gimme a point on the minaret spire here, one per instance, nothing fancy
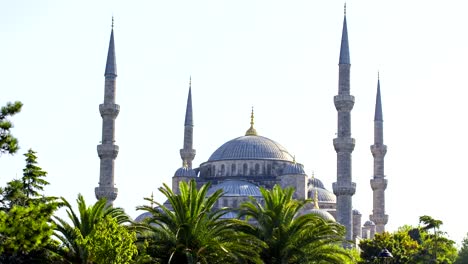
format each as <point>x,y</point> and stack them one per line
<point>109,110</point>
<point>187,153</point>
<point>344,188</point>
<point>344,50</point>
<point>378,183</point>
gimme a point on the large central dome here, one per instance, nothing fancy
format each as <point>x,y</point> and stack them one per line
<point>251,147</point>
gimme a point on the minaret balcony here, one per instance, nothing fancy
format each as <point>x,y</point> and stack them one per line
<point>340,188</point>
<point>379,219</point>
<point>188,153</point>
<point>378,184</point>
<point>109,110</point>
<point>110,193</point>
<point>378,150</point>
<point>107,151</point>
<point>344,102</point>
<point>344,144</point>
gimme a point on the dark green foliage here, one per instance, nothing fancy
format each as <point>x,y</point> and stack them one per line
<point>192,232</point>
<point>82,226</point>
<point>25,218</point>
<point>33,176</point>
<point>463,253</point>
<point>8,143</point>
<point>400,244</point>
<point>290,237</point>
<point>426,244</point>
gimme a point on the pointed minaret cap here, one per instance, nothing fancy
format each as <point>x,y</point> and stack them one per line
<point>378,102</point>
<point>111,66</point>
<point>344,51</point>
<point>188,111</point>
<point>251,131</point>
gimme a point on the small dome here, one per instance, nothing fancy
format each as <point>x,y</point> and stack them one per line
<point>369,223</point>
<point>185,172</point>
<point>142,217</point>
<point>323,214</point>
<point>251,147</point>
<point>315,183</point>
<point>236,188</point>
<point>323,195</point>
<point>356,212</point>
<point>294,168</point>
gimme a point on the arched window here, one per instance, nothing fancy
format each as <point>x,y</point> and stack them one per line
<point>257,169</point>
<point>213,170</point>
<point>222,170</point>
<point>233,169</point>
<point>246,169</point>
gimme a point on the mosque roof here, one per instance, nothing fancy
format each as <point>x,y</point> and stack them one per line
<point>185,172</point>
<point>251,147</point>
<point>323,194</point>
<point>315,182</point>
<point>236,188</point>
<point>322,213</point>
<point>294,168</point>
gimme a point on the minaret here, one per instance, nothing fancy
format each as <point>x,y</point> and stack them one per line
<point>344,188</point>
<point>187,154</point>
<point>378,183</point>
<point>109,110</point>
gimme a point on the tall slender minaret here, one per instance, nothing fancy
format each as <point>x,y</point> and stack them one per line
<point>378,183</point>
<point>344,188</point>
<point>109,110</point>
<point>187,154</point>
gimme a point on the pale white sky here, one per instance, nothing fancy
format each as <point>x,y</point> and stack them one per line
<point>279,56</point>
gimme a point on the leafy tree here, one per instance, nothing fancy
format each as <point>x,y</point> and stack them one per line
<point>8,143</point>
<point>436,247</point>
<point>83,225</point>
<point>463,253</point>
<point>33,176</point>
<point>110,242</point>
<point>25,218</point>
<point>291,238</point>
<point>400,244</point>
<point>191,231</point>
<point>412,245</point>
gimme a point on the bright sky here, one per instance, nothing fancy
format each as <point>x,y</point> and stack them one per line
<point>279,56</point>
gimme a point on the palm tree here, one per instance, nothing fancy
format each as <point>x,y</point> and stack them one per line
<point>191,231</point>
<point>83,225</point>
<point>290,237</point>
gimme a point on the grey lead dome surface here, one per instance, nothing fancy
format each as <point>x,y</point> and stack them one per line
<point>251,147</point>
<point>236,188</point>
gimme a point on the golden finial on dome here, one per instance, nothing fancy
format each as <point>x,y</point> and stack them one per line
<point>251,131</point>
<point>316,205</point>
<point>294,159</point>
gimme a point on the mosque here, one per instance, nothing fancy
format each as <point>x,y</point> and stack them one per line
<point>242,165</point>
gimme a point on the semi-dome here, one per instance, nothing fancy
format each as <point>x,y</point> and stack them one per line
<point>294,168</point>
<point>251,147</point>
<point>369,223</point>
<point>236,188</point>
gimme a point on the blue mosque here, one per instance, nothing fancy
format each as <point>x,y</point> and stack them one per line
<point>242,165</point>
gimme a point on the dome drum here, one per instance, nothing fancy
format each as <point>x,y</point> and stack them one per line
<point>243,168</point>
